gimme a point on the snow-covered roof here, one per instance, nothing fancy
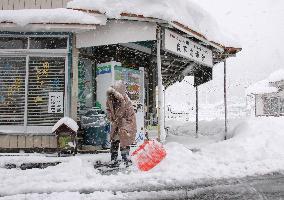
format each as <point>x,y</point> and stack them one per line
<point>264,86</point>
<point>58,16</point>
<point>276,76</point>
<point>68,122</point>
<point>261,87</point>
<point>186,12</point>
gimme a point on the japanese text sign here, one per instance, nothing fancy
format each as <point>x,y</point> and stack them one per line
<point>184,47</point>
<point>55,103</point>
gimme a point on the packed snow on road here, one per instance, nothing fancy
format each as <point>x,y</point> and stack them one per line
<point>255,147</point>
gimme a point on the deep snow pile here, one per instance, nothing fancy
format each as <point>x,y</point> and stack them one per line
<point>59,15</point>
<point>186,12</point>
<point>256,148</point>
<point>209,132</point>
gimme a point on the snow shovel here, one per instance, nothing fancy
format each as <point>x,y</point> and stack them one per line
<point>148,155</point>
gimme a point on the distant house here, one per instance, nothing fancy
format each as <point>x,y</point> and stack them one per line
<point>269,95</point>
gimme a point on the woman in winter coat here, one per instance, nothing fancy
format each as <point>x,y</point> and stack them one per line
<point>123,121</point>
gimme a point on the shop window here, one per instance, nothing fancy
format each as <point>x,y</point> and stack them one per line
<point>12,90</point>
<point>282,105</point>
<point>13,42</point>
<point>46,90</point>
<point>271,105</point>
<point>48,43</point>
<point>36,98</point>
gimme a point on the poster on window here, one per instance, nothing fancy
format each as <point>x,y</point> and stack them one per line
<point>132,80</point>
<point>55,102</point>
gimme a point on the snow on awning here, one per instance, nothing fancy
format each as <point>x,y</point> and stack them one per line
<point>186,12</point>
<point>50,16</point>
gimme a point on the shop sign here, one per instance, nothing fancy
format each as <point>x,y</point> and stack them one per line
<point>55,103</point>
<point>103,69</point>
<point>184,47</point>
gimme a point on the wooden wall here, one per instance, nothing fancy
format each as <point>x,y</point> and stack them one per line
<point>27,141</point>
<point>32,4</point>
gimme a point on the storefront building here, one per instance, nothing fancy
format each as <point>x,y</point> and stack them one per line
<point>59,68</point>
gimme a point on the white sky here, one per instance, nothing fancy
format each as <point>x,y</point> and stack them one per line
<point>258,25</point>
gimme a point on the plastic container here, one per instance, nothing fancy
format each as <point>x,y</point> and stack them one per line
<point>95,127</point>
<point>148,155</point>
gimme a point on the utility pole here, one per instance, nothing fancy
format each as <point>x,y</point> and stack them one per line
<point>196,111</point>
<point>225,99</point>
<point>160,86</point>
<point>164,108</point>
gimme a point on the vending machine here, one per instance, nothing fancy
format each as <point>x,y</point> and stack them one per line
<point>110,72</point>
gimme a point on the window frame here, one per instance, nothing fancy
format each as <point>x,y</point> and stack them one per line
<point>28,50</point>
<point>38,53</point>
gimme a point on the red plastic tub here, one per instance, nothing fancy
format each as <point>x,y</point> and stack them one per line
<point>148,155</point>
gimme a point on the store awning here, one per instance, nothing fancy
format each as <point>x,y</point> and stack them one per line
<point>182,14</point>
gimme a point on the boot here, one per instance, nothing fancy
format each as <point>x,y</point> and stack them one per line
<point>125,156</point>
<point>114,150</point>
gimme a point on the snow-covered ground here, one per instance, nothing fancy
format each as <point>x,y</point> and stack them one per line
<point>208,112</point>
<point>209,131</point>
<point>256,147</point>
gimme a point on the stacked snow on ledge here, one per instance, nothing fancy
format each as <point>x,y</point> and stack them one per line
<point>59,15</point>
<point>68,122</point>
<point>186,12</point>
<point>263,86</point>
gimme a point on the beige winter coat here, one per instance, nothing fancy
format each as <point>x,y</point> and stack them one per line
<point>121,115</point>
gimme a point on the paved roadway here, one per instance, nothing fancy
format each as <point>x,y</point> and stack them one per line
<point>256,188</point>
<point>266,187</point>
